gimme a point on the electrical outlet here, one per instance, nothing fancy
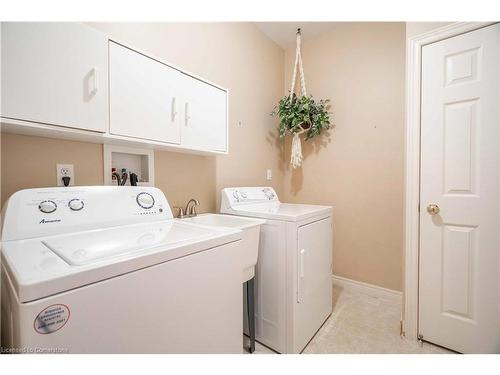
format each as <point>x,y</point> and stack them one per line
<point>65,170</point>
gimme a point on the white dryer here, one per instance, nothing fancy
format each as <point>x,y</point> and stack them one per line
<point>107,270</point>
<point>294,268</point>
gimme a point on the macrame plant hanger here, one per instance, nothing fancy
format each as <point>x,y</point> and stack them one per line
<point>296,156</point>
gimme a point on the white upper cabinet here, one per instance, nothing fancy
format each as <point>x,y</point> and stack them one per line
<point>68,80</point>
<point>204,115</point>
<point>144,96</point>
<point>153,101</point>
<point>55,73</point>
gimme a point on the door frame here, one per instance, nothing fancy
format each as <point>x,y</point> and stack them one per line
<point>412,178</point>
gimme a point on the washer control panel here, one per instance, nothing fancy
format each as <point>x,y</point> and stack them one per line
<point>39,212</point>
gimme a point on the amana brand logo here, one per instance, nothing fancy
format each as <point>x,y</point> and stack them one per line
<point>43,221</point>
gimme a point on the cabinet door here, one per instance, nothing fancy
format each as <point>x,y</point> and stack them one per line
<point>204,120</point>
<point>143,100</point>
<point>313,280</point>
<point>55,73</point>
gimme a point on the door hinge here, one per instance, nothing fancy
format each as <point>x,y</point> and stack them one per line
<point>420,339</point>
<point>401,328</point>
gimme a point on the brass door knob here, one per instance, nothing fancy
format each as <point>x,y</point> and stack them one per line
<point>433,209</point>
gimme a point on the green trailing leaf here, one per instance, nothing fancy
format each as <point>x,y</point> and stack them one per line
<point>305,112</point>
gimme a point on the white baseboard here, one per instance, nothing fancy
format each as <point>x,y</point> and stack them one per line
<point>368,289</point>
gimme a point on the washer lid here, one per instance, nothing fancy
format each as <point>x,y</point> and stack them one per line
<point>281,211</point>
<point>41,267</point>
<point>89,247</point>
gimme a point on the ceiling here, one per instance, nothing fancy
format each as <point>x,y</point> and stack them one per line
<point>283,33</point>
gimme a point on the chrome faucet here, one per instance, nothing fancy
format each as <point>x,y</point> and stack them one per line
<point>191,207</point>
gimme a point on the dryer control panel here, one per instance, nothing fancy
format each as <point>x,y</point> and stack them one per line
<point>237,196</point>
<point>47,211</point>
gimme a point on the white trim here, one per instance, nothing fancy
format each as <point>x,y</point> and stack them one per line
<point>413,63</point>
<point>368,289</point>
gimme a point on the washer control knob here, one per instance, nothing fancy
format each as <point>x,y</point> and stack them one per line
<point>236,195</point>
<point>145,200</point>
<point>75,204</point>
<point>47,207</point>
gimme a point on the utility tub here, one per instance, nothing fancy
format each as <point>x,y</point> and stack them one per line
<point>250,238</point>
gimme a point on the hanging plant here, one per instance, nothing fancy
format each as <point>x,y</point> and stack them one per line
<point>301,114</point>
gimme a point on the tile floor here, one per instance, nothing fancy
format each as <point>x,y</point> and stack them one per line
<point>361,324</point>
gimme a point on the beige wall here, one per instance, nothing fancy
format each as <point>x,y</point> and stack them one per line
<point>359,168</point>
<point>235,55</point>
<point>29,162</point>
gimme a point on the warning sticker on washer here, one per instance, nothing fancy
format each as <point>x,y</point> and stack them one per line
<point>51,319</point>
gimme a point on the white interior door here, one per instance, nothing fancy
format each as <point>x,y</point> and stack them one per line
<point>459,235</point>
<point>143,96</point>
<point>204,121</point>
<point>55,73</point>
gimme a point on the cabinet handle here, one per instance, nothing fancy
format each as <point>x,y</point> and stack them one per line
<point>174,108</point>
<point>94,82</point>
<point>186,114</point>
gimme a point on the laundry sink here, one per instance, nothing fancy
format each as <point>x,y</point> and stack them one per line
<point>250,237</point>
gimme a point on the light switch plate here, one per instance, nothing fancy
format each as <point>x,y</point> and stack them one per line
<point>65,170</point>
<point>269,174</point>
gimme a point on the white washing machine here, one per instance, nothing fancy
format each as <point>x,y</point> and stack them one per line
<point>294,268</point>
<point>107,270</point>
